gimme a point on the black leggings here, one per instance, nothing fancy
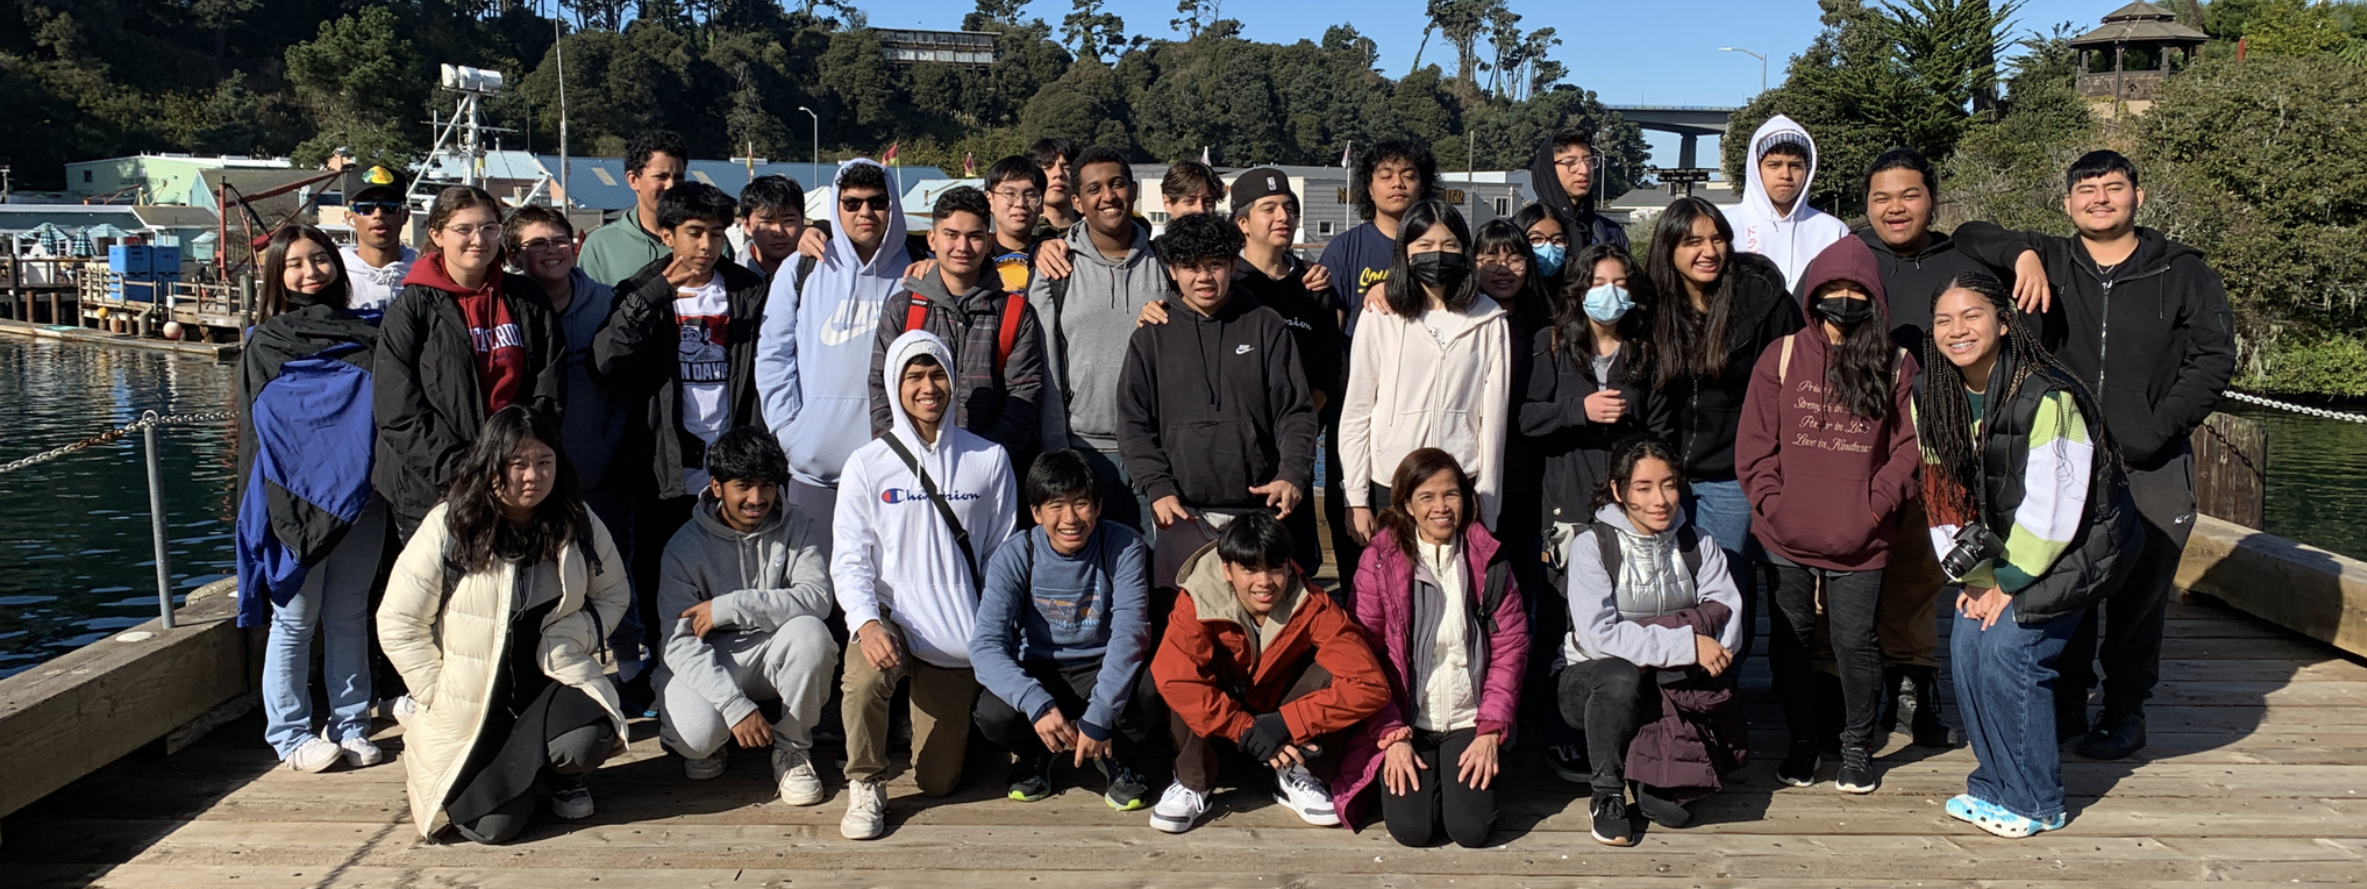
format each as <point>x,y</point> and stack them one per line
<point>573,754</point>
<point>1468,813</point>
<point>1851,599</point>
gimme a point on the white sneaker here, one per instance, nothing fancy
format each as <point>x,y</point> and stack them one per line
<point>1179,808</point>
<point>315,755</point>
<point>1306,796</point>
<point>793,771</point>
<point>709,768</point>
<point>401,709</point>
<point>867,811</point>
<point>360,753</point>
<point>572,803</point>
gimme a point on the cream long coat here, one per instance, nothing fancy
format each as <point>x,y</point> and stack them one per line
<point>448,655</point>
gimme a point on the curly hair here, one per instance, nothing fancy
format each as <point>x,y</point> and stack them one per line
<point>1198,238</point>
<point>1360,179</point>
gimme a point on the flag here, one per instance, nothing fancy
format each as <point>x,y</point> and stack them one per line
<point>891,155</point>
<point>969,165</point>
<point>1204,155</point>
<point>1344,153</point>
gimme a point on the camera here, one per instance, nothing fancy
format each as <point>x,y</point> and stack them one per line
<point>1972,546</point>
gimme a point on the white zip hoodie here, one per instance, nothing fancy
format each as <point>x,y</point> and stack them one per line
<point>892,554</point>
<point>1789,239</point>
<point>813,356</point>
<point>1408,390</point>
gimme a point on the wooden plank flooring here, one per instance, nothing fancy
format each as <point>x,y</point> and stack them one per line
<point>2257,773</point>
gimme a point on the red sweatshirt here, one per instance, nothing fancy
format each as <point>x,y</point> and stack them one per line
<point>1825,485</point>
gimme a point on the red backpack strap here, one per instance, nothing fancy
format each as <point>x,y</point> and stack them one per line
<point>916,312</point>
<point>1013,305</point>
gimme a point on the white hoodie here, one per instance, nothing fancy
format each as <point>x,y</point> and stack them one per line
<point>1407,390</point>
<point>813,358</point>
<point>892,553</point>
<point>1790,239</point>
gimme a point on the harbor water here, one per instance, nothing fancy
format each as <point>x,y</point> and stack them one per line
<point>75,546</point>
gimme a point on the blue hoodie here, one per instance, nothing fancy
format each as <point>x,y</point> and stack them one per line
<point>813,362</point>
<point>1041,605</point>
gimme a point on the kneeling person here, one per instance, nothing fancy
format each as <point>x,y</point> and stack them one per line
<point>748,590</point>
<point>1245,612</point>
<point>1064,627</point>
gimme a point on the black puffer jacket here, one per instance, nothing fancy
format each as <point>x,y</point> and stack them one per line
<point>424,385</point>
<point>637,355</point>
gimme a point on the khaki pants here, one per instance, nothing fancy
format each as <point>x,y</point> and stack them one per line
<point>941,701</point>
<point>1908,628</point>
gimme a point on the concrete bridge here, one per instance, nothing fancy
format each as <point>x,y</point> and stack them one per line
<point>1688,121</point>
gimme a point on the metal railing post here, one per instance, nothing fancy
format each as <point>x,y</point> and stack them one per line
<point>164,566</point>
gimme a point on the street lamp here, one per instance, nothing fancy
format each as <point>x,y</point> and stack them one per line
<point>817,137</point>
<point>1762,63</point>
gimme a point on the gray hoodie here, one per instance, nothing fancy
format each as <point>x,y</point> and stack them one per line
<point>757,580</point>
<point>1086,336</point>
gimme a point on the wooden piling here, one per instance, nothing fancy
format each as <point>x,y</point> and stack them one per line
<point>2231,470</point>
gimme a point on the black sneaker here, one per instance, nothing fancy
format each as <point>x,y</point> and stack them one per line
<point>1126,789</point>
<point>1611,827</point>
<point>1799,766</point>
<point>1031,778</point>
<point>1925,722</point>
<point>2115,737</point>
<point>1570,763</point>
<point>2070,723</point>
<point>1857,771</point>
<point>1660,808</point>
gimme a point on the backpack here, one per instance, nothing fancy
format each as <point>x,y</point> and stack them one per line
<point>1605,538</point>
<point>805,269</point>
<point>1491,596</point>
<point>916,314</point>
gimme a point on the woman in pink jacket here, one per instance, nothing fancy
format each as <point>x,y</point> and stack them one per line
<point>1436,597</point>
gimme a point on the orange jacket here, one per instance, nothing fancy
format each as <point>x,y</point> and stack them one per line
<point>1210,674</point>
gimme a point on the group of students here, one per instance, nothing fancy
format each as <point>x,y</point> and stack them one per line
<point>1053,477</point>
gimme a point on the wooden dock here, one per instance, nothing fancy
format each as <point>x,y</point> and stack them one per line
<point>2257,773</point>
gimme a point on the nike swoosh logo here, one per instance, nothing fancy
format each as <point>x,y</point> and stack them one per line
<point>1242,349</point>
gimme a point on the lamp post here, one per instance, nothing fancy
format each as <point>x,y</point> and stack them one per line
<point>817,136</point>
<point>1762,63</point>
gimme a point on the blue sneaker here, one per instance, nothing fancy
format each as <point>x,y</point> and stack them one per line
<point>1997,820</point>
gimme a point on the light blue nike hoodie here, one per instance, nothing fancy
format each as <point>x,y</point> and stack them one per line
<point>814,363</point>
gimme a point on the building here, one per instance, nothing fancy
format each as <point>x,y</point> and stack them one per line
<point>1326,209</point>
<point>968,49</point>
<point>1644,203</point>
<point>2122,63</point>
<point>155,178</point>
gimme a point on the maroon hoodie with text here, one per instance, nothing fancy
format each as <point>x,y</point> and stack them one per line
<point>1825,485</point>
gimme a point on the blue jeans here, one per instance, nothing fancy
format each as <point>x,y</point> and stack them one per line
<point>335,602</point>
<point>1720,510</point>
<point>2005,679</point>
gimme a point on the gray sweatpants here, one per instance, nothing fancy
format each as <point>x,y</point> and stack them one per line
<point>792,665</point>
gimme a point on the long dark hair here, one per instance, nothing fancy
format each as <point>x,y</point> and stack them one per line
<point>1946,413</point>
<point>480,534</point>
<point>1573,330</point>
<point>1415,469</point>
<point>274,296</point>
<point>1624,456</point>
<point>1687,342</point>
<point>1865,364</point>
<point>1405,296</point>
<point>1529,216</point>
<point>1531,302</point>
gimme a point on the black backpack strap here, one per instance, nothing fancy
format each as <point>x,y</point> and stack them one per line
<point>1607,541</point>
<point>1491,597</point>
<point>1689,546</point>
<point>805,269</point>
<point>961,535</point>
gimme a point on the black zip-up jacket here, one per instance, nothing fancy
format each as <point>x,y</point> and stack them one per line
<point>1707,413</point>
<point>637,355</point>
<point>1909,282</point>
<point>2151,338</point>
<point>1210,407</point>
<point>1005,407</point>
<point>1577,450</point>
<point>423,386</point>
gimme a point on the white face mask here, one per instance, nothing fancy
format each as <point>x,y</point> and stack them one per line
<point>1607,303</point>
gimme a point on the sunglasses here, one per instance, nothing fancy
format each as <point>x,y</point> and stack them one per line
<point>875,202</point>
<point>373,208</point>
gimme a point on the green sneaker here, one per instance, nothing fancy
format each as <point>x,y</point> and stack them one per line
<point>1031,778</point>
<point>1126,789</point>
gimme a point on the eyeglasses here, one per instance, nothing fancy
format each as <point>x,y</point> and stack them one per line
<point>1555,240</point>
<point>1591,162</point>
<point>373,208</point>
<point>487,231</point>
<point>1018,195</point>
<point>876,202</point>
<point>539,245</point>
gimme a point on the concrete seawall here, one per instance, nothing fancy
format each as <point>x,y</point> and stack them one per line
<point>2319,594</point>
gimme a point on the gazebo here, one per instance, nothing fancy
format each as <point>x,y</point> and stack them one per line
<point>2126,59</point>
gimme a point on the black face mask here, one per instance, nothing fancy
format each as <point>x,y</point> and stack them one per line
<point>1439,268</point>
<point>1844,313</point>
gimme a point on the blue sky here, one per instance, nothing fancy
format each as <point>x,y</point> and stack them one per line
<point>1628,52</point>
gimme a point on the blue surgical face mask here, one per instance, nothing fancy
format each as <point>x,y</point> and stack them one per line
<point>1608,303</point>
<point>1549,258</point>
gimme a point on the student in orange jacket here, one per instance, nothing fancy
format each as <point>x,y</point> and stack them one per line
<point>1253,659</point>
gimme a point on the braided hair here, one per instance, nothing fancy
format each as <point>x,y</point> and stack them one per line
<point>1947,427</point>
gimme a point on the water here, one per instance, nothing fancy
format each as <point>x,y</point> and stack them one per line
<point>76,555</point>
<point>75,552</point>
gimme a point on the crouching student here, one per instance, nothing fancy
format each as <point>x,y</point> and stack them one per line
<point>493,615</point>
<point>2031,514</point>
<point>1652,634</point>
<point>1255,661</point>
<point>926,506</point>
<point>1064,628</point>
<point>746,591</point>
<point>1436,598</point>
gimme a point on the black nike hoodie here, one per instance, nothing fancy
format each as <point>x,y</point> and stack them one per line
<point>1209,407</point>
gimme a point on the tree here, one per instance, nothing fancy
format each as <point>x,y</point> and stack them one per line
<point>1193,15</point>
<point>2009,170</point>
<point>363,86</point>
<point>1460,22</point>
<point>1092,33</point>
<point>1085,104</point>
<point>993,15</point>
